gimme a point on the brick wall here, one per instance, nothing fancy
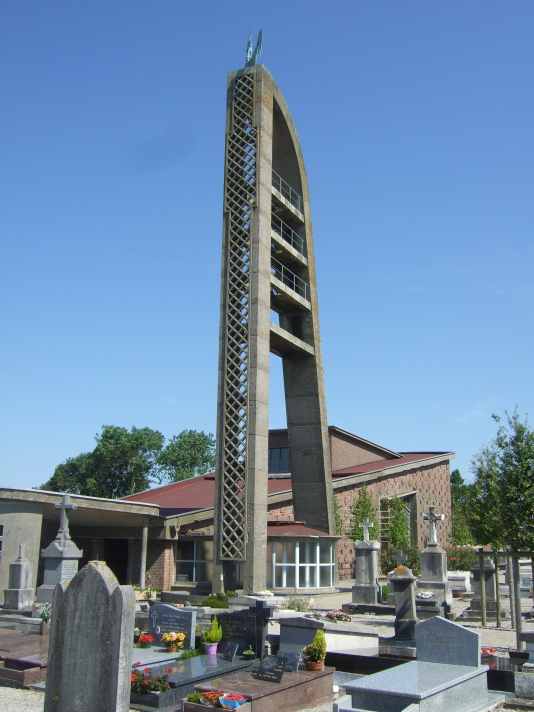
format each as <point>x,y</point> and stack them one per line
<point>160,565</point>
<point>432,487</point>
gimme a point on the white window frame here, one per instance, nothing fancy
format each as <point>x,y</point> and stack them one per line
<point>312,572</point>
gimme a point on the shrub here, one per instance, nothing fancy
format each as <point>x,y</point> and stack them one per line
<point>461,558</point>
<point>316,650</point>
<point>217,600</point>
<point>298,604</point>
<point>213,634</point>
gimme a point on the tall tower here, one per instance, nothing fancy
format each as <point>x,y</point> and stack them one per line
<point>268,304</point>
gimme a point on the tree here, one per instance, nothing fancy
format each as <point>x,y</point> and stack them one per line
<point>399,528</point>
<point>122,462</point>
<point>461,533</point>
<point>338,517</point>
<point>514,446</point>
<point>363,508</point>
<point>189,453</point>
<point>485,515</point>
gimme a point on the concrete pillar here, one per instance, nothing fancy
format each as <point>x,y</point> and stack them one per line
<point>144,548</point>
<point>365,589</point>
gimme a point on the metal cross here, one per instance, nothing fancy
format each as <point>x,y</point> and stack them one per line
<point>64,506</point>
<point>433,517</point>
<point>366,525</point>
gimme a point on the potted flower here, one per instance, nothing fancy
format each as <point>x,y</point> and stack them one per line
<point>249,653</point>
<point>173,641</point>
<point>212,636</point>
<point>145,640</point>
<point>315,652</point>
<point>152,691</point>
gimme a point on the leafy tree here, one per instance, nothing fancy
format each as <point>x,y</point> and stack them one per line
<point>461,533</point>
<point>122,462</point>
<point>189,453</point>
<point>363,508</point>
<point>485,511</point>
<point>338,517</point>
<point>514,448</point>
<point>399,528</point>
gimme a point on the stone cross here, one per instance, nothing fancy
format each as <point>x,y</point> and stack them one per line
<point>65,506</point>
<point>433,517</point>
<point>91,643</point>
<point>366,525</point>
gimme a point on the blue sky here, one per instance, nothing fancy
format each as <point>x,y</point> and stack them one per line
<point>416,124</point>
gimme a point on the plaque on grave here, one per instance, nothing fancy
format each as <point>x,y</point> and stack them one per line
<point>271,668</point>
<point>293,660</point>
<point>164,618</point>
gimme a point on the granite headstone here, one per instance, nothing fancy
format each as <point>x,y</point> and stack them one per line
<point>165,618</point>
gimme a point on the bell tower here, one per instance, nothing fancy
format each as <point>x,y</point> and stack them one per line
<point>268,305</point>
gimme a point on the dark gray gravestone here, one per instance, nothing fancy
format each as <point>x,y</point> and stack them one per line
<point>247,628</point>
<point>164,618</point>
<point>271,668</point>
<point>442,641</point>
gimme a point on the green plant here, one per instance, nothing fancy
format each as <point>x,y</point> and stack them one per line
<point>297,604</point>
<point>363,508</point>
<point>461,558</point>
<point>384,593</point>
<point>249,652</point>
<point>338,517</point>
<point>213,634</point>
<point>216,600</point>
<point>194,697</point>
<point>231,594</point>
<point>316,650</point>
<point>190,654</point>
<point>45,613</point>
<point>141,683</point>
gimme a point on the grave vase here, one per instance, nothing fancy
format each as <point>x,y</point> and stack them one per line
<point>211,648</point>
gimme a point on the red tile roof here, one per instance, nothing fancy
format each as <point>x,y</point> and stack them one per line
<point>199,492</point>
<point>376,465</point>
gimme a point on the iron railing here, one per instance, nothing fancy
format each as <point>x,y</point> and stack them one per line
<point>290,279</point>
<point>287,191</point>
<point>287,234</point>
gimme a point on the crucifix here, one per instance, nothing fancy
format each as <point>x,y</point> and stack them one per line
<point>433,517</point>
<point>366,525</point>
<point>64,506</point>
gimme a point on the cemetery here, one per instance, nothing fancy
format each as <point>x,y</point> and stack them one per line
<point>277,581</point>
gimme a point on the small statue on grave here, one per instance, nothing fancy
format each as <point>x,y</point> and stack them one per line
<point>433,517</point>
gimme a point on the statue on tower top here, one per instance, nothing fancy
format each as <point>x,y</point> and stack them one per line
<point>252,55</point>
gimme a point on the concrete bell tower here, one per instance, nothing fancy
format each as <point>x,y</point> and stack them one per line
<point>268,304</point>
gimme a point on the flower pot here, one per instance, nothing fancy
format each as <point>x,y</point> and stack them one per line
<point>210,648</point>
<point>144,645</point>
<point>315,665</point>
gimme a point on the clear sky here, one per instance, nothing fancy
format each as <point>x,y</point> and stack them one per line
<point>417,125</point>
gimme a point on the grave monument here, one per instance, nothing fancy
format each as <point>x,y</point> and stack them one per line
<point>268,266</point>
<point>447,675</point>
<point>91,634</point>
<point>365,590</point>
<point>61,556</point>
<point>432,586</point>
<point>402,644</point>
<point>19,594</point>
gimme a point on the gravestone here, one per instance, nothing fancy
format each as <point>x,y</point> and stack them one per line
<point>432,586</point>
<point>164,618</point>
<point>248,627</point>
<point>271,669</point>
<point>442,641</point>
<point>296,633</point>
<point>19,594</point>
<point>490,578</point>
<point>447,675</point>
<point>402,582</point>
<point>366,554</point>
<point>61,556</point>
<point>90,658</point>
